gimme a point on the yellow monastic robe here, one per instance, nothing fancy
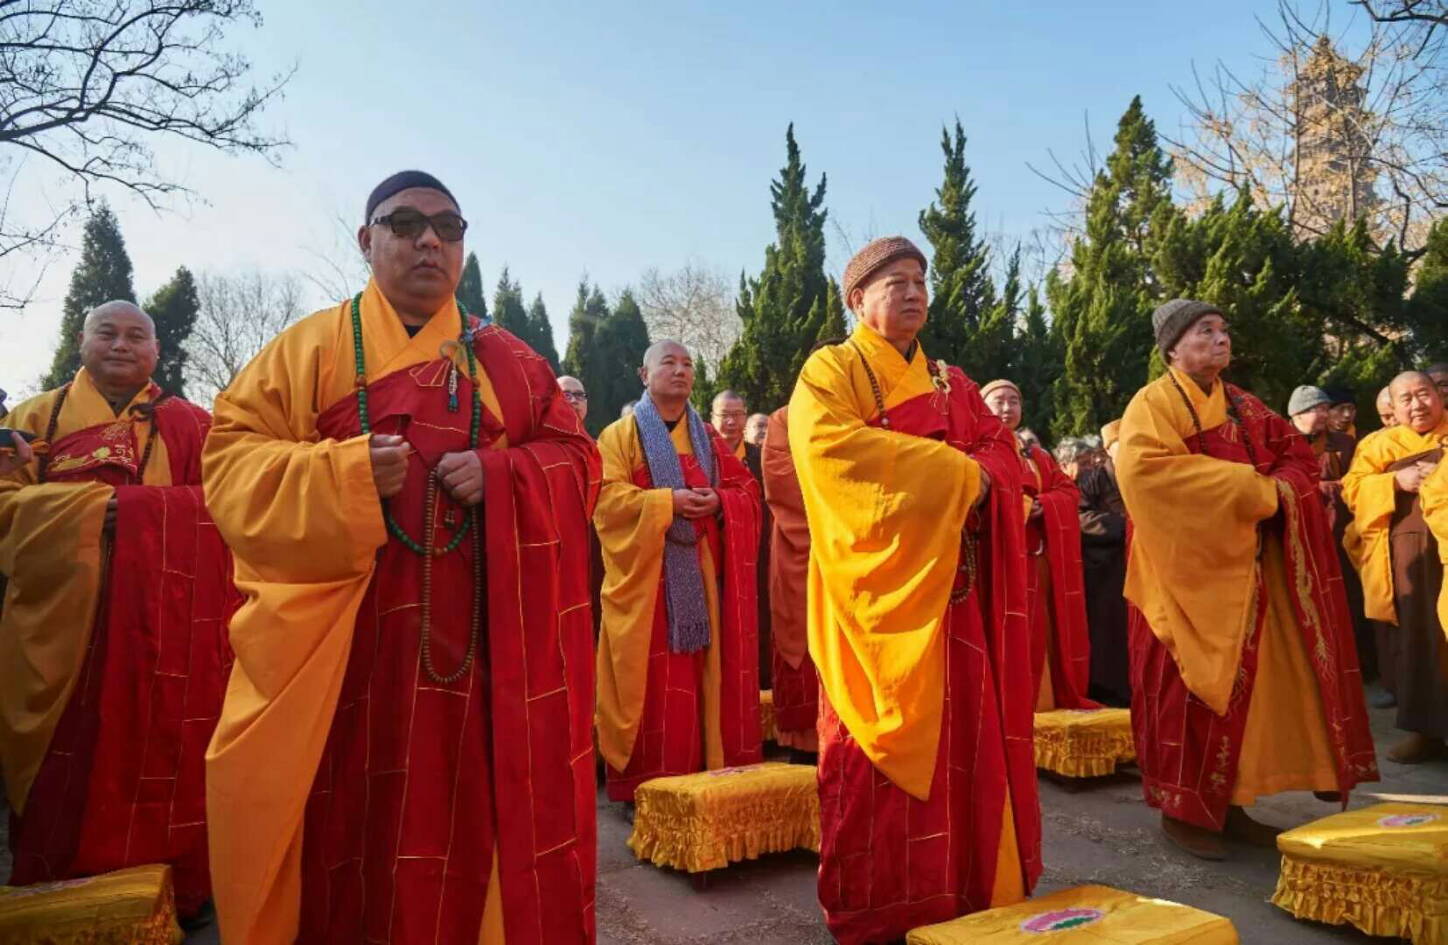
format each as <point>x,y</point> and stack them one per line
<point>1192,571</point>
<point>631,522</point>
<point>1433,496</point>
<point>1191,567</point>
<point>303,520</point>
<point>885,515</point>
<point>1368,490</point>
<point>51,546</point>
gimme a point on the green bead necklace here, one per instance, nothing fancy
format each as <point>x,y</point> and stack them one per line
<point>428,549</point>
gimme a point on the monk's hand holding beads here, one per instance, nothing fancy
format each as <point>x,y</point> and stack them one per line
<point>461,474</point>
<point>389,463</point>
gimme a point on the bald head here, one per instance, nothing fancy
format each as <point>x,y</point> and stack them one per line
<point>118,349</point>
<point>729,414</point>
<point>1384,406</point>
<point>1417,404</point>
<point>668,375</point>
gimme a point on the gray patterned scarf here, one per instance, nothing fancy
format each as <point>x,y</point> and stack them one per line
<point>683,579</point>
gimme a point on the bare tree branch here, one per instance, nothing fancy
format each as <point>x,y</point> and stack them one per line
<point>239,315</point>
<point>694,305</point>
<point>90,86</point>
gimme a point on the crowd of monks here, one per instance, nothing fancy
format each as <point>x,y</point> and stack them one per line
<point>343,652</point>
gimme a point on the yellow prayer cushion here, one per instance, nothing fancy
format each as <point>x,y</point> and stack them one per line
<point>1085,915</point>
<point>134,906</point>
<point>766,714</point>
<point>1084,743</point>
<point>704,821</point>
<point>1383,869</point>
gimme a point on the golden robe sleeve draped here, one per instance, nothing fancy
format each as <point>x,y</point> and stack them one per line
<point>886,511</point>
<point>1193,556</point>
<point>52,549</point>
<point>1369,492</point>
<point>631,522</point>
<point>1433,494</point>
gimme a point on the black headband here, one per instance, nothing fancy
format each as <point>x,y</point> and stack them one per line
<point>403,180</point>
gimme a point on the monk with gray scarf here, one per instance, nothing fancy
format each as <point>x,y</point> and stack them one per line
<point>678,517</point>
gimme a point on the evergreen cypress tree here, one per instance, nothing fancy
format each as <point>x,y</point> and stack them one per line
<point>104,275</point>
<point>620,344</point>
<point>584,359</point>
<point>1102,310</point>
<point>1037,364</point>
<point>174,308</point>
<point>834,327</point>
<point>1427,308</point>
<point>540,331</point>
<point>961,293</point>
<point>470,288</point>
<point>783,310</point>
<point>508,310</point>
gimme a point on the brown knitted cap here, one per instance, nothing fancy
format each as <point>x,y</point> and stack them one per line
<point>876,255</point>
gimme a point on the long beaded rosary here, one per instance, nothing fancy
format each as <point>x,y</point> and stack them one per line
<point>428,548</point>
<point>968,546</point>
<point>1232,414</point>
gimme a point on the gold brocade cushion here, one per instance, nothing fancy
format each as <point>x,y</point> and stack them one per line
<point>128,907</point>
<point>1085,915</point>
<point>1084,743</point>
<point>1383,869</point>
<point>766,714</point>
<point>704,821</point>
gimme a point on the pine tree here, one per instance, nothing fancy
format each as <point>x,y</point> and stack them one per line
<point>104,275</point>
<point>540,331</point>
<point>835,328</point>
<point>784,309</point>
<point>508,310</point>
<point>470,288</point>
<point>1102,310</point>
<point>590,310</point>
<point>961,293</point>
<point>174,308</point>
<point>620,344</point>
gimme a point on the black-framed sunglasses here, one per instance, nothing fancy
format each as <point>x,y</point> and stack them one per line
<point>408,223</point>
<point>575,395</point>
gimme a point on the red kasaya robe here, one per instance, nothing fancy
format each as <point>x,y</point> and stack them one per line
<point>675,733</point>
<point>120,783</point>
<point>355,797</point>
<point>1188,750</point>
<point>1060,640</point>
<point>795,684</point>
<point>934,815</point>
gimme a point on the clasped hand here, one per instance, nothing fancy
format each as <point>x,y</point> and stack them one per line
<point>695,503</point>
<point>1410,478</point>
<point>461,474</point>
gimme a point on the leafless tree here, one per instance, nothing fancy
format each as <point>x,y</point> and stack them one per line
<point>240,313</point>
<point>88,87</point>
<point>1430,13</point>
<point>1327,134</point>
<point>694,305</point>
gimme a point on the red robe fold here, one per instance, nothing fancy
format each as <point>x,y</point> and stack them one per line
<point>890,862</point>
<point>122,782</point>
<point>421,781</point>
<point>1187,753</point>
<point>1059,636</point>
<point>795,684</point>
<point>671,735</point>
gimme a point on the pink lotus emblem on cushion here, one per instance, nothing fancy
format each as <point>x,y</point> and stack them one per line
<point>1062,919</point>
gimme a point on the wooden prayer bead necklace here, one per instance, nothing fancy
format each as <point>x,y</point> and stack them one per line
<point>146,411</point>
<point>470,525</point>
<point>968,546</point>
<point>1232,414</point>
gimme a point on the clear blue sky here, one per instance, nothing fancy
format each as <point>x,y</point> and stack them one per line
<point>609,138</point>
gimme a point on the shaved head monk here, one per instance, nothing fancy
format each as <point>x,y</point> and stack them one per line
<point>1398,494</point>
<point>917,626</point>
<point>405,755</point>
<point>1384,406</point>
<point>1060,641</point>
<point>112,642</point>
<point>1245,678</point>
<point>678,518</point>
